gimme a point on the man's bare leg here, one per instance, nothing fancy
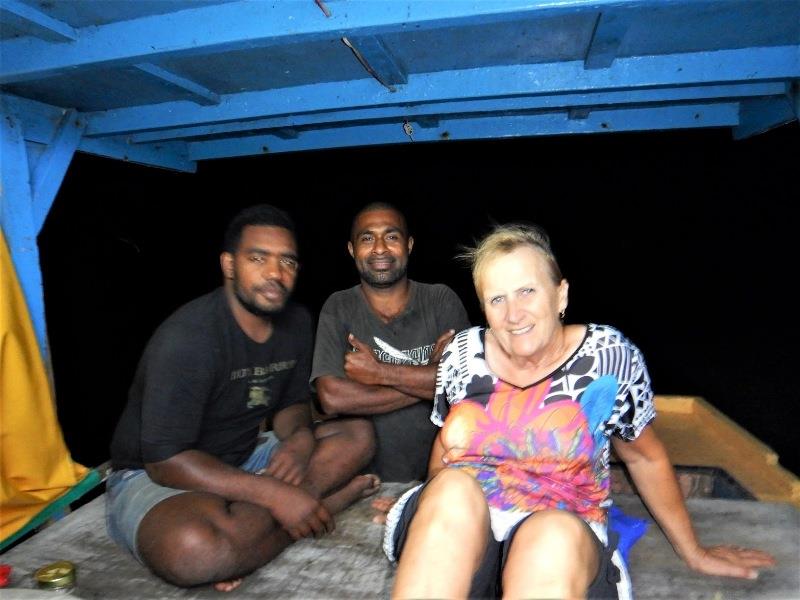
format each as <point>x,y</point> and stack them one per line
<point>361,486</point>
<point>197,538</point>
<point>336,453</point>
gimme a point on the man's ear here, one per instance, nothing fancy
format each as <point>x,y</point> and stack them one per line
<point>410,243</point>
<point>226,264</point>
<point>350,249</point>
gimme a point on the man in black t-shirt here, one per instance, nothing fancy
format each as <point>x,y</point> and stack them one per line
<point>379,342</point>
<point>197,494</point>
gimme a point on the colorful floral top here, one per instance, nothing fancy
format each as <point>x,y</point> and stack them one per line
<point>546,445</point>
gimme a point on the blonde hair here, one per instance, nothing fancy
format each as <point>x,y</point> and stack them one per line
<point>504,239</point>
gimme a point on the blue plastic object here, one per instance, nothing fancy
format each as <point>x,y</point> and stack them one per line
<point>630,530</point>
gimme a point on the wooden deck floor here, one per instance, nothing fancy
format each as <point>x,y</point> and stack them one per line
<point>350,564</point>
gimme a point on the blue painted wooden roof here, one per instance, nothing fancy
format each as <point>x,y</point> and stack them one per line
<point>171,82</point>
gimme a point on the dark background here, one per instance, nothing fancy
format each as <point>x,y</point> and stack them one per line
<point>684,240</point>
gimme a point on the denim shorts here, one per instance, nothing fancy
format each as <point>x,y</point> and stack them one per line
<point>131,494</point>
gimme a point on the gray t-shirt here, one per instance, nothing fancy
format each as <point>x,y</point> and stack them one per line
<point>405,436</point>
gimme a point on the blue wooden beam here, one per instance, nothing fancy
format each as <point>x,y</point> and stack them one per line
<point>598,121</point>
<point>40,119</point>
<point>167,155</point>
<point>52,165</point>
<point>625,74</point>
<point>423,111</point>
<point>376,58</point>
<point>17,220</point>
<point>35,152</point>
<point>578,113</point>
<point>35,23</point>
<point>758,115</point>
<point>427,122</point>
<point>40,127</point>
<point>244,25</point>
<point>286,133</point>
<point>202,95</point>
<point>608,33</point>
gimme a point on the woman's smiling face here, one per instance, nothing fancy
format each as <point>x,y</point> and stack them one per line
<point>521,302</point>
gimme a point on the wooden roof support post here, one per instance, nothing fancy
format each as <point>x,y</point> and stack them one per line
<point>28,187</point>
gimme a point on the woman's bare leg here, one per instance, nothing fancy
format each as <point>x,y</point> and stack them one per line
<point>553,555</point>
<point>446,539</point>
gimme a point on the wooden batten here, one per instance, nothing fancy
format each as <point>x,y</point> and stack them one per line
<point>697,434</point>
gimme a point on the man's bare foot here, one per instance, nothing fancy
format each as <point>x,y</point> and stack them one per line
<point>382,505</point>
<point>372,483</point>
<point>228,586</point>
<point>360,486</point>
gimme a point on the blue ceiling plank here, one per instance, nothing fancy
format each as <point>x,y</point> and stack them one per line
<point>721,67</point>
<point>34,22</point>
<point>16,218</point>
<point>421,112</point>
<point>246,25</point>
<point>758,115</point>
<point>376,58</point>
<point>52,165</point>
<point>599,121</point>
<point>606,39</point>
<point>202,95</point>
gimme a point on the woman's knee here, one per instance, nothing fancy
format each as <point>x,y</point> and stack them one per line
<point>556,539</point>
<point>451,520</point>
<point>456,495</point>
<point>556,530</point>
<point>553,553</point>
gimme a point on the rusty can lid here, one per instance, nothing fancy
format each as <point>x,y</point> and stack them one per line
<point>56,576</point>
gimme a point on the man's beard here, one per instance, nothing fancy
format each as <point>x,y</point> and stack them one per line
<point>382,279</point>
<point>260,311</point>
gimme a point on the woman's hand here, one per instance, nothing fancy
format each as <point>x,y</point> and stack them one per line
<point>730,561</point>
<point>654,477</point>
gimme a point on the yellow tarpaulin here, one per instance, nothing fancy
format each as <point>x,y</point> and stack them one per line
<point>36,465</point>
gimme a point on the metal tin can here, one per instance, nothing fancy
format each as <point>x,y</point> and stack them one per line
<point>59,575</point>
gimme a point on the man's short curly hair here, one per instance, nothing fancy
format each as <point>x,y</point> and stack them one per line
<point>265,215</point>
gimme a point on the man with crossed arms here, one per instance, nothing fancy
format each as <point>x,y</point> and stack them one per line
<point>378,344</point>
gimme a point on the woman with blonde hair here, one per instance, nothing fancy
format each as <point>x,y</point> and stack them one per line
<point>518,490</point>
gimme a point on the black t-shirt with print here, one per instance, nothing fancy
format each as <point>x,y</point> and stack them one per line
<point>203,384</point>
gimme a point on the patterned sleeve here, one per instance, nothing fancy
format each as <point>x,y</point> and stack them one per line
<point>635,396</point>
<point>447,370</point>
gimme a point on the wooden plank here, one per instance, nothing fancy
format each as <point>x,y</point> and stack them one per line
<point>697,434</point>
